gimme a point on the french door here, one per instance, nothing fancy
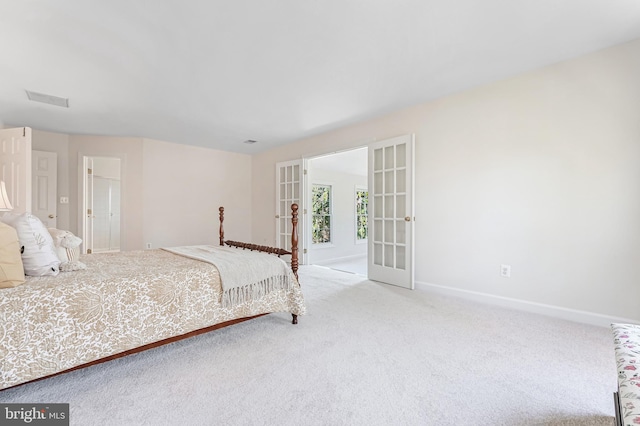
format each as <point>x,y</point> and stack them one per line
<point>289,180</point>
<point>391,214</point>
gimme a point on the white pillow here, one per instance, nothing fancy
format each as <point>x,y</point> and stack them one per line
<point>67,247</point>
<point>39,257</point>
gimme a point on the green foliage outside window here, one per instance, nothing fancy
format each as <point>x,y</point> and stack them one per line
<point>362,214</point>
<point>321,214</point>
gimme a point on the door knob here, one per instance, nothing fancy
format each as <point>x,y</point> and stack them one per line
<point>407,218</point>
<point>51,216</point>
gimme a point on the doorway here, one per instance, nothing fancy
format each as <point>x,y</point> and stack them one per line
<point>337,227</point>
<point>388,210</point>
<point>102,204</point>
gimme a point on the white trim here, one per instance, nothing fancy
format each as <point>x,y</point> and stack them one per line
<point>320,246</point>
<point>364,144</point>
<point>326,262</point>
<point>575,315</point>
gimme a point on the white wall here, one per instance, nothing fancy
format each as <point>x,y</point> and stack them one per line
<point>107,167</point>
<point>170,192</point>
<point>129,150</point>
<point>183,188</point>
<point>343,228</point>
<point>541,172</point>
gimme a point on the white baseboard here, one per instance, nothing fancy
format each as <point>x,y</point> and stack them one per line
<point>576,315</point>
<point>340,259</point>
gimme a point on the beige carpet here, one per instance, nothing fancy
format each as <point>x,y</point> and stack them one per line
<point>367,354</point>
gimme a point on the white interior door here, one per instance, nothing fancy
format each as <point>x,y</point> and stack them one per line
<point>15,166</point>
<point>45,187</point>
<point>288,191</point>
<point>391,215</point>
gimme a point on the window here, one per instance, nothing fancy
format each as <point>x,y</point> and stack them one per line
<point>321,213</point>
<point>362,214</point>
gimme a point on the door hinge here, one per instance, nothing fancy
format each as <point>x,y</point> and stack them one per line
<point>89,251</point>
<point>304,251</point>
<point>89,211</point>
<point>304,172</point>
<point>89,171</point>
<point>304,211</point>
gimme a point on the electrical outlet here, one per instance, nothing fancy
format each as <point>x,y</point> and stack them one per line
<point>505,271</point>
<point>148,245</point>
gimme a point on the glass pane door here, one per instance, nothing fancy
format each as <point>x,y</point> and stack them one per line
<point>288,187</point>
<point>391,208</point>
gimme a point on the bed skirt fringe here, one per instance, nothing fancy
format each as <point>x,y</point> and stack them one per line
<point>248,293</point>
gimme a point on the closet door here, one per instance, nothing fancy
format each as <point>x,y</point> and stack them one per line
<point>101,214</point>
<point>114,212</point>
<point>106,212</point>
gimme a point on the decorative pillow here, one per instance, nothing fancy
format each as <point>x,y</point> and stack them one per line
<point>67,247</point>
<point>11,269</point>
<point>38,257</point>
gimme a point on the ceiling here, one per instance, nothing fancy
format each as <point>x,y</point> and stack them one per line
<point>216,73</point>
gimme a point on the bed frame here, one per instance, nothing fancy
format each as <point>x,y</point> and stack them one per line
<point>270,250</point>
<point>266,249</point>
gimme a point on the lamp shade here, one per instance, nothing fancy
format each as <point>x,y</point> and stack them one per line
<point>5,204</point>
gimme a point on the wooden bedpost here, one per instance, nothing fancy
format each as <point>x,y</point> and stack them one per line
<point>221,231</point>
<point>294,247</point>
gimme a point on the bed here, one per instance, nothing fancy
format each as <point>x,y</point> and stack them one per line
<point>127,302</point>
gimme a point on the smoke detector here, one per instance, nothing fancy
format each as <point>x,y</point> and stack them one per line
<point>48,99</point>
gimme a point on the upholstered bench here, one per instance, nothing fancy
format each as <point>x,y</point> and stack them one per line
<point>627,348</point>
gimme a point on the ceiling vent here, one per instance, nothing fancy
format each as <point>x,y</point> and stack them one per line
<point>48,99</point>
<point>250,141</point>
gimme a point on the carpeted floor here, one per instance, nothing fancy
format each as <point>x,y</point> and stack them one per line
<point>366,354</point>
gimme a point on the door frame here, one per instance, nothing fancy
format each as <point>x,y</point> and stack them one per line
<point>307,196</point>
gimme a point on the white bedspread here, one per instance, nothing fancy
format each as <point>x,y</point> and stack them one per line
<point>246,275</point>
